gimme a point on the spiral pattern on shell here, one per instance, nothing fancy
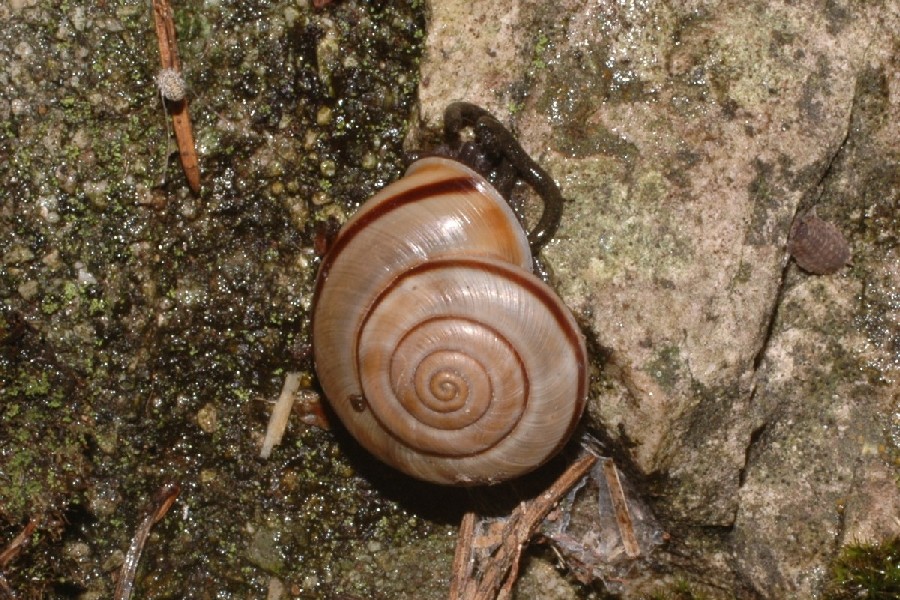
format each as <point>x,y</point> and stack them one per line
<point>471,368</point>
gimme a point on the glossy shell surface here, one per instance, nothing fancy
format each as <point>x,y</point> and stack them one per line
<point>438,349</point>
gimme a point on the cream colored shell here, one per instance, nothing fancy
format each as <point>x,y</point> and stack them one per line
<point>438,349</point>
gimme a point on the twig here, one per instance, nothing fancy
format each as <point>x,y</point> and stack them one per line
<point>280,413</point>
<point>623,517</point>
<point>181,120</point>
<point>162,502</point>
<point>500,573</point>
<point>6,592</point>
<point>15,546</point>
<point>11,552</point>
<point>462,559</point>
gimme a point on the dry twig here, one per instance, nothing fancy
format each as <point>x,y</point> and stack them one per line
<point>496,577</point>
<point>162,502</point>
<point>11,551</point>
<point>462,560</point>
<point>6,592</point>
<point>620,505</point>
<point>280,414</point>
<point>15,546</point>
<point>181,120</point>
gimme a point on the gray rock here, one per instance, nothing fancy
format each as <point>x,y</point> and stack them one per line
<point>756,397</point>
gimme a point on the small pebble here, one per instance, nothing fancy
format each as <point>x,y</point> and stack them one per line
<point>207,418</point>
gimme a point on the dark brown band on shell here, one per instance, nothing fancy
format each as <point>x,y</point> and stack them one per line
<point>454,185</point>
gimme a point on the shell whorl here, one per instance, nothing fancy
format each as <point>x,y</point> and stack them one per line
<point>476,379</point>
<point>471,368</point>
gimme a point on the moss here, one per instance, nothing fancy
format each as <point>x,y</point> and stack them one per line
<point>679,590</point>
<point>41,455</point>
<point>541,44</point>
<point>744,273</point>
<point>666,366</point>
<point>866,571</point>
<point>200,303</point>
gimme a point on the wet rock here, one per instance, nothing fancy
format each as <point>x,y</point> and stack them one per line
<point>687,139</point>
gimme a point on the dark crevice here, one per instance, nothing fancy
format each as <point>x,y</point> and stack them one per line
<point>776,306</point>
<point>755,436</point>
<point>830,165</point>
<point>773,317</point>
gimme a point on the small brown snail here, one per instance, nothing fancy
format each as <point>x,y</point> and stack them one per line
<point>435,344</point>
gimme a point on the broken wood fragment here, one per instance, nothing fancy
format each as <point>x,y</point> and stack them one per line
<point>160,504</point>
<point>181,120</point>
<point>281,412</point>
<point>623,517</point>
<point>15,546</point>
<point>493,573</point>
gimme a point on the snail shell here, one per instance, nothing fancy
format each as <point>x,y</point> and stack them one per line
<point>818,246</point>
<point>436,346</point>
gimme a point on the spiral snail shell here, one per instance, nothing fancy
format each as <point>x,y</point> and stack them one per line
<point>434,343</point>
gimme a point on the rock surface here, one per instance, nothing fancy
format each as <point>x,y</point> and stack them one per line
<point>143,330</point>
<point>760,401</point>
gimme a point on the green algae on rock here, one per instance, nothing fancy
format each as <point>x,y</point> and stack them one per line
<point>141,324</point>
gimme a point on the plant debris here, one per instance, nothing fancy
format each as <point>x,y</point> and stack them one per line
<point>488,550</point>
<point>162,502</point>
<point>171,84</point>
